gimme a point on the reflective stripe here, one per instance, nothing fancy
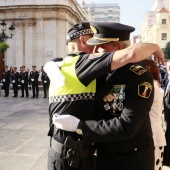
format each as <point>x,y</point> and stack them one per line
<point>72,97</point>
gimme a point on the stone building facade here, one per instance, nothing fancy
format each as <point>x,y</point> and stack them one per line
<point>40,29</point>
<point>156,24</point>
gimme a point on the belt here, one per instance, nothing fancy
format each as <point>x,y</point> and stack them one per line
<point>58,147</point>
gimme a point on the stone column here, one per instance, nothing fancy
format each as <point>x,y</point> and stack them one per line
<point>29,45</point>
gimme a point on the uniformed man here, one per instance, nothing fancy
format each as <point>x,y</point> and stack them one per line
<point>6,80</point>
<point>24,81</point>
<point>77,96</point>
<point>14,79</point>
<point>122,134</point>
<point>34,74</point>
<point>46,82</point>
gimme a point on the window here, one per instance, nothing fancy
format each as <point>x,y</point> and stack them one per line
<point>163,21</point>
<point>110,17</point>
<point>164,36</point>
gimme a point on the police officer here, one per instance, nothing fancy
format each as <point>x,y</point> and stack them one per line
<point>123,133</point>
<point>77,96</point>
<point>34,74</point>
<point>46,82</point>
<point>14,79</point>
<point>6,80</point>
<point>24,81</point>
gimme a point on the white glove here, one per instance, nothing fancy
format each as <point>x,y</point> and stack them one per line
<point>3,80</point>
<point>22,81</point>
<point>66,122</point>
<point>53,71</point>
<point>45,81</point>
<point>13,81</point>
<point>32,79</point>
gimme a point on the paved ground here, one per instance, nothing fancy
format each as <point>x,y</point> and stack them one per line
<point>23,133</point>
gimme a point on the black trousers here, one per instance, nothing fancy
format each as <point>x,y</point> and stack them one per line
<point>35,90</point>
<point>6,88</point>
<point>24,86</point>
<point>56,162</point>
<point>45,88</point>
<point>15,89</point>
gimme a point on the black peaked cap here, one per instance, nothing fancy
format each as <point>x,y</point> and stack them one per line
<point>105,32</point>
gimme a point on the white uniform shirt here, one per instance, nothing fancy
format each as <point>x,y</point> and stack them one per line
<point>156,117</point>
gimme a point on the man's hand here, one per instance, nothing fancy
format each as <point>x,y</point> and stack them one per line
<point>53,71</point>
<point>66,122</point>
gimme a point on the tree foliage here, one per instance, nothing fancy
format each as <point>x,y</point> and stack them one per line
<point>3,46</point>
<point>167,51</point>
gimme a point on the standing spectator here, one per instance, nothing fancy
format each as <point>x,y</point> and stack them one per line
<point>166,158</point>
<point>29,81</point>
<point>6,80</point>
<point>14,79</point>
<point>24,81</point>
<point>11,71</point>
<point>156,114</point>
<point>45,81</point>
<point>34,81</point>
<point>163,75</point>
<point>40,80</point>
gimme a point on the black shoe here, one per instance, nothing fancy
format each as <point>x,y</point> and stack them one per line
<point>45,97</point>
<point>5,96</point>
<point>26,96</point>
<point>22,96</point>
<point>37,97</point>
<point>33,97</point>
<point>14,96</point>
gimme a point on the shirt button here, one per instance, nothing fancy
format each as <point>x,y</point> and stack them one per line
<point>136,149</point>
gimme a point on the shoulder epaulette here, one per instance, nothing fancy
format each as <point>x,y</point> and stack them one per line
<point>137,69</point>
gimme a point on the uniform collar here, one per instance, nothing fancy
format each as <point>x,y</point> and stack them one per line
<point>76,54</point>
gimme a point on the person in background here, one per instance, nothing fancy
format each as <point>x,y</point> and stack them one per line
<point>14,79</point>
<point>122,134</point>
<point>6,80</point>
<point>46,82</point>
<point>156,114</point>
<point>11,69</point>
<point>163,75</point>
<point>166,157</point>
<point>29,81</point>
<point>34,75</point>
<point>24,81</point>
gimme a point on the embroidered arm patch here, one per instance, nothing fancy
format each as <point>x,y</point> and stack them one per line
<point>144,89</point>
<point>137,69</point>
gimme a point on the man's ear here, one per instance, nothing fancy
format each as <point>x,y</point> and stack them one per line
<point>82,41</point>
<point>120,46</point>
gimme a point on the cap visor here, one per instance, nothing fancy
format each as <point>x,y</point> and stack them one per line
<point>93,42</point>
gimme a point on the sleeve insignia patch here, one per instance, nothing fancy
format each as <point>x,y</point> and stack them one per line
<point>137,69</point>
<point>144,90</point>
<point>95,55</point>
